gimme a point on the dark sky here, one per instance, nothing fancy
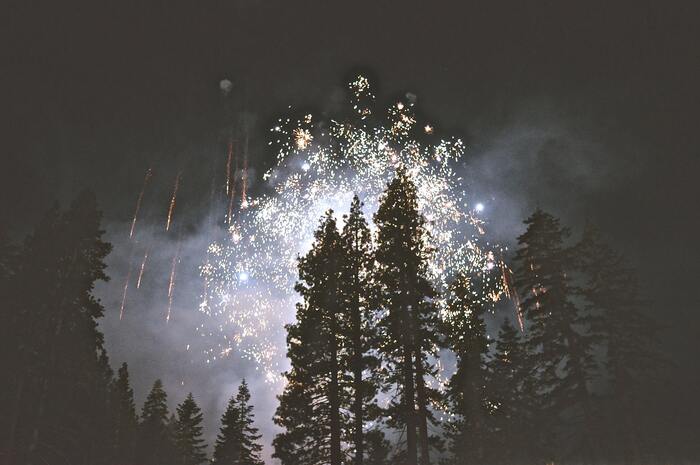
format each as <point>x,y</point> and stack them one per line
<point>97,91</point>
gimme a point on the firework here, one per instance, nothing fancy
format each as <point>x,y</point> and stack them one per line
<point>249,276</point>
<point>244,176</point>
<point>229,152</point>
<point>143,267</point>
<point>172,202</point>
<point>126,287</point>
<point>171,283</point>
<point>138,202</point>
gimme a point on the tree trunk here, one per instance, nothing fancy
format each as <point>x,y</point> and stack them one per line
<point>409,406</point>
<point>357,381</point>
<point>334,399</point>
<point>422,402</point>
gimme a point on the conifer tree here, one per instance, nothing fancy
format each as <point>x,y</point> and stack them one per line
<point>310,406</point>
<point>125,421</point>
<point>510,390</point>
<point>559,340</point>
<point>57,372</point>
<point>238,439</point>
<point>402,255</point>
<point>188,433</point>
<point>155,440</point>
<point>358,319</point>
<point>629,336</point>
<point>466,337</point>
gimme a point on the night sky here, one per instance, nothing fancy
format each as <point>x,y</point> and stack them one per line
<point>589,111</point>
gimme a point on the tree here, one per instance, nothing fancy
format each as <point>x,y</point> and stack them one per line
<point>237,442</point>
<point>125,420</point>
<point>188,433</point>
<point>559,340</point>
<point>314,346</point>
<point>512,435</point>
<point>57,368</point>
<point>466,337</point>
<point>630,340</point>
<point>358,318</point>
<point>402,255</point>
<point>155,443</point>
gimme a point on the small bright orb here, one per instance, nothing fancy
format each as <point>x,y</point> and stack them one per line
<point>305,166</point>
<point>428,129</point>
<point>479,207</point>
<point>399,106</point>
<point>490,265</point>
<point>243,276</point>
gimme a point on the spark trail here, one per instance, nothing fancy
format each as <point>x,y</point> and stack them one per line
<point>138,201</point>
<point>172,201</point>
<point>171,283</point>
<point>143,267</point>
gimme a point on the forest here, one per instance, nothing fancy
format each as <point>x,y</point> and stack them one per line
<point>576,375</point>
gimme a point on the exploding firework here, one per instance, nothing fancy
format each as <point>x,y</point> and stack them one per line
<point>249,276</point>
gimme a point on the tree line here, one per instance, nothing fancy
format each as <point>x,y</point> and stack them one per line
<point>60,402</point>
<point>575,385</point>
<point>579,384</point>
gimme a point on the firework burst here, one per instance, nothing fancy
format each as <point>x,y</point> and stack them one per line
<point>249,276</point>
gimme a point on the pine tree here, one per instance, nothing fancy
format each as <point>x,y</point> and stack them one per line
<point>512,435</point>
<point>125,420</point>
<point>57,372</point>
<point>558,335</point>
<point>188,433</point>
<point>237,442</point>
<point>155,441</point>
<point>629,336</point>
<point>466,337</point>
<point>314,346</point>
<point>359,306</point>
<point>402,255</point>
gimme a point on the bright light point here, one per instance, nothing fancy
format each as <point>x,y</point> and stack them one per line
<point>490,265</point>
<point>479,207</point>
<point>305,166</point>
<point>243,276</point>
<point>399,106</point>
<point>428,129</point>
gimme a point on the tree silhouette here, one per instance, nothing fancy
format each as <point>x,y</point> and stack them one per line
<point>237,442</point>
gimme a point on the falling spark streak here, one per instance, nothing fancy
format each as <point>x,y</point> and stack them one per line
<point>232,193</point>
<point>507,274</point>
<point>229,150</point>
<point>244,178</point>
<point>171,284</point>
<point>143,266</point>
<point>172,201</point>
<point>138,201</point>
<point>126,287</point>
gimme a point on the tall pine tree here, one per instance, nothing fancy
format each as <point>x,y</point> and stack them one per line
<point>155,445</point>
<point>237,442</point>
<point>125,421</point>
<point>358,322</point>
<point>630,341</point>
<point>57,368</point>
<point>310,406</point>
<point>188,433</point>
<point>466,336</point>
<point>559,339</point>
<point>510,391</point>
<point>402,255</point>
